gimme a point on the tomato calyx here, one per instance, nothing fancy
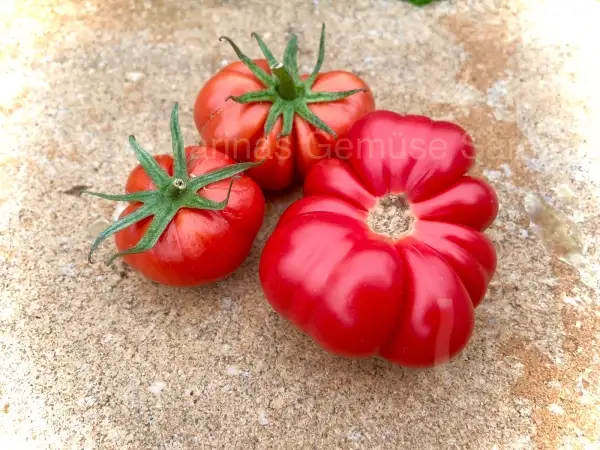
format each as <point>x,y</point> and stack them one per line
<point>172,194</point>
<point>391,217</point>
<point>289,94</point>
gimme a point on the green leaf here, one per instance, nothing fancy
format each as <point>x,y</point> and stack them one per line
<point>288,120</point>
<point>325,97</point>
<point>420,2</point>
<point>255,97</point>
<point>141,196</point>
<point>159,224</point>
<point>137,215</point>
<point>199,202</point>
<point>150,165</point>
<point>303,111</point>
<point>274,113</point>
<point>265,50</point>
<point>254,68</point>
<point>179,162</point>
<point>220,174</point>
<point>290,58</point>
<point>320,58</point>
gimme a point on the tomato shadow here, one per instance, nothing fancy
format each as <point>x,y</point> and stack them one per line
<point>377,384</point>
<point>297,349</point>
<point>283,195</point>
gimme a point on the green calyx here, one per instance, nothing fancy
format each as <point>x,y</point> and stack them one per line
<point>284,87</point>
<point>421,2</point>
<point>172,193</point>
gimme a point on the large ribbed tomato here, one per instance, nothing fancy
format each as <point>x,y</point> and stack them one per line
<point>265,111</point>
<point>385,254</point>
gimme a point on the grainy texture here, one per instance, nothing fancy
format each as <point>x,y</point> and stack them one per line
<point>97,357</point>
<point>391,217</point>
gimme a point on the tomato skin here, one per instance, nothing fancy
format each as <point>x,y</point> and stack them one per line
<point>359,293</point>
<point>237,129</point>
<point>337,285</point>
<point>198,246</point>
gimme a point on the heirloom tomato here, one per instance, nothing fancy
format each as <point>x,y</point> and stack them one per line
<point>385,255</point>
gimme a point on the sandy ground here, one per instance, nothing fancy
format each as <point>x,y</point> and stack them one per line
<point>97,357</point>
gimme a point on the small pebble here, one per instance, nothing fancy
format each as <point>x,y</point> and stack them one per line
<point>98,227</point>
<point>263,420</point>
<point>278,403</point>
<point>354,435</point>
<point>556,409</point>
<point>134,76</point>
<point>119,208</point>
<point>233,371</point>
<point>156,387</point>
<point>226,303</point>
<point>68,270</point>
<point>507,170</point>
<point>87,401</point>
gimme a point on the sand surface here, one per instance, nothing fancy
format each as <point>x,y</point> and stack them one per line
<point>95,356</point>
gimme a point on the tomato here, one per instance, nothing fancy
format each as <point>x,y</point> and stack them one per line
<point>188,221</point>
<point>385,254</point>
<point>262,110</point>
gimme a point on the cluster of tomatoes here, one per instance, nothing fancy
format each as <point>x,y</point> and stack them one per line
<point>385,253</point>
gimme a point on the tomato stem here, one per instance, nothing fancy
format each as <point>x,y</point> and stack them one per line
<point>286,87</point>
<point>176,188</point>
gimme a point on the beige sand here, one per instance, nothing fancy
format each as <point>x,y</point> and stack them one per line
<point>97,357</point>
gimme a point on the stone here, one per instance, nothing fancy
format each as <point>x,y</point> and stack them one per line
<point>90,352</point>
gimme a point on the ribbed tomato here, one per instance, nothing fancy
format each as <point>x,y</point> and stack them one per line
<point>385,254</point>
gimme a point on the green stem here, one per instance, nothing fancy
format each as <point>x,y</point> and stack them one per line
<point>286,88</point>
<point>176,188</point>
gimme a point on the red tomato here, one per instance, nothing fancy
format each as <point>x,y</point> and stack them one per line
<point>192,218</point>
<point>198,246</point>
<point>260,110</point>
<point>385,254</point>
